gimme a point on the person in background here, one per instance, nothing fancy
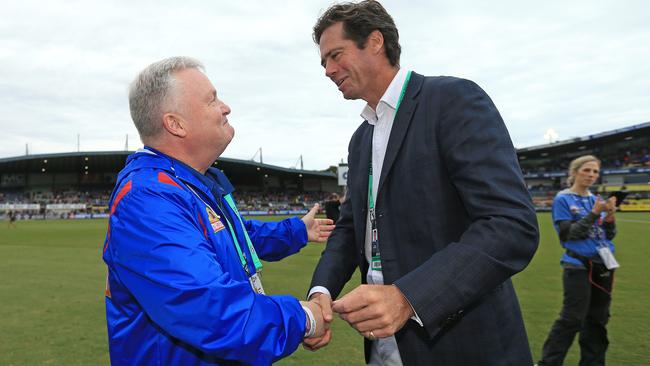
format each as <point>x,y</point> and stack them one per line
<point>184,285</point>
<point>586,225</point>
<point>332,206</point>
<point>11,217</point>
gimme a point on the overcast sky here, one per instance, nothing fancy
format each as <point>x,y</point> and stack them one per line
<point>579,67</point>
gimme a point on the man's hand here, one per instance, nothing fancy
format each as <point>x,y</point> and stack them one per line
<point>316,311</point>
<point>318,230</point>
<point>325,303</point>
<point>380,309</point>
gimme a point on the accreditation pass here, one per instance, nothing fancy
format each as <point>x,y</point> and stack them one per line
<point>256,283</point>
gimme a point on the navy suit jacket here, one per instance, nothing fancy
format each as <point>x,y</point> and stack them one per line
<point>455,222</point>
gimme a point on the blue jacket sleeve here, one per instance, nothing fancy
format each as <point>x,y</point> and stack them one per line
<point>172,270</point>
<point>276,240</point>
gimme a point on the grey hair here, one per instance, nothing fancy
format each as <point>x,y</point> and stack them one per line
<point>150,93</point>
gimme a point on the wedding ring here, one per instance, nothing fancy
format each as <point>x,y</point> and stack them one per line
<point>371,336</point>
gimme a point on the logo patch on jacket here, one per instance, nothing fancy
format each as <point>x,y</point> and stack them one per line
<point>574,209</point>
<point>215,220</point>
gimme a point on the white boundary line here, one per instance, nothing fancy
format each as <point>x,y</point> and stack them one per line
<point>635,221</point>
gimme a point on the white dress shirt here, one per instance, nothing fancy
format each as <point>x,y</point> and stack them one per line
<point>383,351</point>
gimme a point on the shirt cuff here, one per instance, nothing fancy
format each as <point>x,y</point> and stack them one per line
<point>415,316</point>
<point>320,289</point>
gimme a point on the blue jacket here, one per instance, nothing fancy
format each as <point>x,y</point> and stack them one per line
<point>176,291</point>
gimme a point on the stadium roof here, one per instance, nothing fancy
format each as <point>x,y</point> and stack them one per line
<point>642,129</point>
<point>113,161</point>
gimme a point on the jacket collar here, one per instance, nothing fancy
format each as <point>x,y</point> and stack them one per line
<point>149,157</point>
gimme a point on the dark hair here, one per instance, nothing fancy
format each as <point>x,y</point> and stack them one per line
<point>359,20</point>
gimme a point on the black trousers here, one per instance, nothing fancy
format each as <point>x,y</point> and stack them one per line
<point>586,310</point>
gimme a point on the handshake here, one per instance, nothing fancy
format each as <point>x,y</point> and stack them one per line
<point>375,311</point>
<point>318,311</point>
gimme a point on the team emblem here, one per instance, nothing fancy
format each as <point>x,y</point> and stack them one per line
<point>215,220</point>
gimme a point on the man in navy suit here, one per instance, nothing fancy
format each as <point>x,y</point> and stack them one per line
<point>437,216</point>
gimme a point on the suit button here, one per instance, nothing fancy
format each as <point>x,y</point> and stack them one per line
<point>445,323</point>
<point>452,318</point>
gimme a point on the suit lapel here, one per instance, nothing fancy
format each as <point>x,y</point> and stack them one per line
<point>400,126</point>
<point>364,162</point>
<point>361,183</point>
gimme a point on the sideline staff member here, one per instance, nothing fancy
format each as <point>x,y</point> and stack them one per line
<point>437,216</point>
<point>586,225</point>
<point>183,283</point>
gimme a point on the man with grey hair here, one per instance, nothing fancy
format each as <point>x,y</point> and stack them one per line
<point>183,282</point>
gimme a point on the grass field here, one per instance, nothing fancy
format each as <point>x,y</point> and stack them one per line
<point>52,293</point>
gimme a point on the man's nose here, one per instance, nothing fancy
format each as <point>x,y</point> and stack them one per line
<point>225,109</point>
<point>330,69</point>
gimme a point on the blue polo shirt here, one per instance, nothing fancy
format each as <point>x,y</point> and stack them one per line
<point>570,206</point>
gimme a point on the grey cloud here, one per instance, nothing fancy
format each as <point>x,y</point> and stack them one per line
<point>579,67</point>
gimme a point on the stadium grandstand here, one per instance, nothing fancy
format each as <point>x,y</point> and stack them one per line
<point>78,185</point>
<point>625,166</point>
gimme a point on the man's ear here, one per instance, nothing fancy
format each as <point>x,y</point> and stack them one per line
<point>375,41</point>
<point>174,124</point>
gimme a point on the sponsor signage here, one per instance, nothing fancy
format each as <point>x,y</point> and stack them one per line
<point>65,206</point>
<point>19,206</point>
<point>343,174</point>
<point>604,172</point>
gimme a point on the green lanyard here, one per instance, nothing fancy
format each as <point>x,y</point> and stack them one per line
<point>251,248</point>
<point>233,207</point>
<point>371,201</point>
<point>375,263</point>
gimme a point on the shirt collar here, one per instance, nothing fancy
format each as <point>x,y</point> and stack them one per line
<point>390,97</point>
